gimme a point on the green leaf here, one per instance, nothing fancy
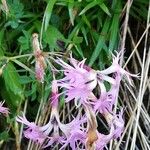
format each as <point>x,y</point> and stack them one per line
<point>12,90</point>
<point>24,41</point>
<point>32,92</point>
<point>48,13</point>
<point>1,44</point>
<point>1,41</point>
<point>101,41</point>
<point>85,35</point>
<point>15,13</point>
<point>11,78</point>
<point>87,22</point>
<point>23,66</point>
<point>77,39</point>
<point>89,6</point>
<point>12,99</point>
<point>55,20</point>
<point>114,32</point>
<point>75,31</point>
<point>13,23</point>
<point>79,50</point>
<point>4,136</point>
<point>25,79</point>
<point>52,35</point>
<point>70,8</point>
<point>114,29</point>
<point>105,9</point>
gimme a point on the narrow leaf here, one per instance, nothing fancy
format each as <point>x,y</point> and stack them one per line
<point>23,66</point>
<point>105,9</point>
<point>70,8</point>
<point>89,6</point>
<point>48,13</point>
<point>100,43</point>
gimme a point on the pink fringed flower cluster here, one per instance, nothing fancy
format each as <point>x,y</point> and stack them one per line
<point>86,89</point>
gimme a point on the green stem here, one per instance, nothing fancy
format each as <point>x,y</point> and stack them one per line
<point>20,56</point>
<point>15,57</point>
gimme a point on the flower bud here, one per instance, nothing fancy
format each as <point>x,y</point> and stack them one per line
<point>40,63</point>
<point>39,71</point>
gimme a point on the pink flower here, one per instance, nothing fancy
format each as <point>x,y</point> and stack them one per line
<point>64,134</point>
<point>116,129</point>
<point>34,132</point>
<point>107,99</point>
<point>3,110</point>
<point>103,140</point>
<point>116,68</point>
<point>78,82</point>
<point>103,105</point>
<point>118,124</point>
<point>87,88</point>
<point>54,131</point>
<point>76,138</point>
<point>39,134</point>
<point>67,134</point>
<point>74,133</point>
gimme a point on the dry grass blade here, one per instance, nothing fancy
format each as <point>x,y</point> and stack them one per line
<point>137,112</point>
<point>144,77</point>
